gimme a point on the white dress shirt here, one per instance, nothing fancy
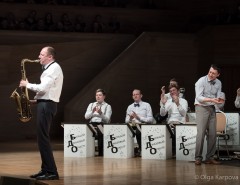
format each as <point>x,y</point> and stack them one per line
<point>175,113</point>
<point>144,111</point>
<point>95,116</point>
<point>51,83</point>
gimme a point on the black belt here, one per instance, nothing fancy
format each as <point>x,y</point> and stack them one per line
<point>42,100</point>
<point>211,106</point>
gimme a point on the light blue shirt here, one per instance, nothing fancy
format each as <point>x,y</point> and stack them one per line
<point>207,89</point>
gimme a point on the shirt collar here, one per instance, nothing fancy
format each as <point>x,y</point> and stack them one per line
<point>211,81</point>
<point>101,103</point>
<point>46,66</point>
<point>137,103</point>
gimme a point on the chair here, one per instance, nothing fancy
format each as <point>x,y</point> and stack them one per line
<point>221,124</point>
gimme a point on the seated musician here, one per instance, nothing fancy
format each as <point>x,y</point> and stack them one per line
<point>99,112</point>
<point>176,108</point>
<point>166,96</point>
<point>173,81</point>
<point>137,113</point>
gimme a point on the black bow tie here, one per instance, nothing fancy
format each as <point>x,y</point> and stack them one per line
<point>136,105</point>
<point>212,82</point>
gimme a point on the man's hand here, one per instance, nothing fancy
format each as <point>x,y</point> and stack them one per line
<point>134,115</point>
<point>23,83</point>
<point>238,92</point>
<point>94,109</point>
<point>163,90</point>
<point>33,101</point>
<point>131,117</point>
<point>98,110</point>
<point>175,99</point>
<point>163,99</point>
<point>217,100</point>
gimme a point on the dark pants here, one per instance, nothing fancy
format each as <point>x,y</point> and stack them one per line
<point>139,139</point>
<point>99,137</point>
<point>45,113</point>
<point>172,130</point>
<point>173,141</point>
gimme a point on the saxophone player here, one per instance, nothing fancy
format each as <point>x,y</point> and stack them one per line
<point>48,93</point>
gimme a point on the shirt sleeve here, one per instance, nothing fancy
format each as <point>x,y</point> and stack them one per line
<point>127,118</point>
<point>199,87</point>
<point>47,80</point>
<point>183,107</point>
<point>149,116</point>
<point>106,115</point>
<point>89,113</point>
<point>163,110</point>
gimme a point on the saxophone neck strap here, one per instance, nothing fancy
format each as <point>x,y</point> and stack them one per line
<point>48,66</point>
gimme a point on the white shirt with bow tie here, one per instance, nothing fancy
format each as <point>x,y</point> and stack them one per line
<point>144,112</point>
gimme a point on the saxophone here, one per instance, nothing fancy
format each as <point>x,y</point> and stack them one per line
<point>22,101</point>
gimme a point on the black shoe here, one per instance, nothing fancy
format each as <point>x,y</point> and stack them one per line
<point>48,176</point>
<point>138,154</point>
<point>37,174</point>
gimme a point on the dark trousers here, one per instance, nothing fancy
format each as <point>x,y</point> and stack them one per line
<point>174,142</point>
<point>139,139</point>
<point>45,113</point>
<point>100,143</point>
<point>172,130</point>
<point>99,137</point>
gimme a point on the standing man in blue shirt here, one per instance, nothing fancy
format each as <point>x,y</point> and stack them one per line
<point>47,96</point>
<point>139,112</point>
<point>208,91</point>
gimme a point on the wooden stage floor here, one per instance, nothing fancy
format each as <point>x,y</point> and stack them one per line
<point>22,159</point>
